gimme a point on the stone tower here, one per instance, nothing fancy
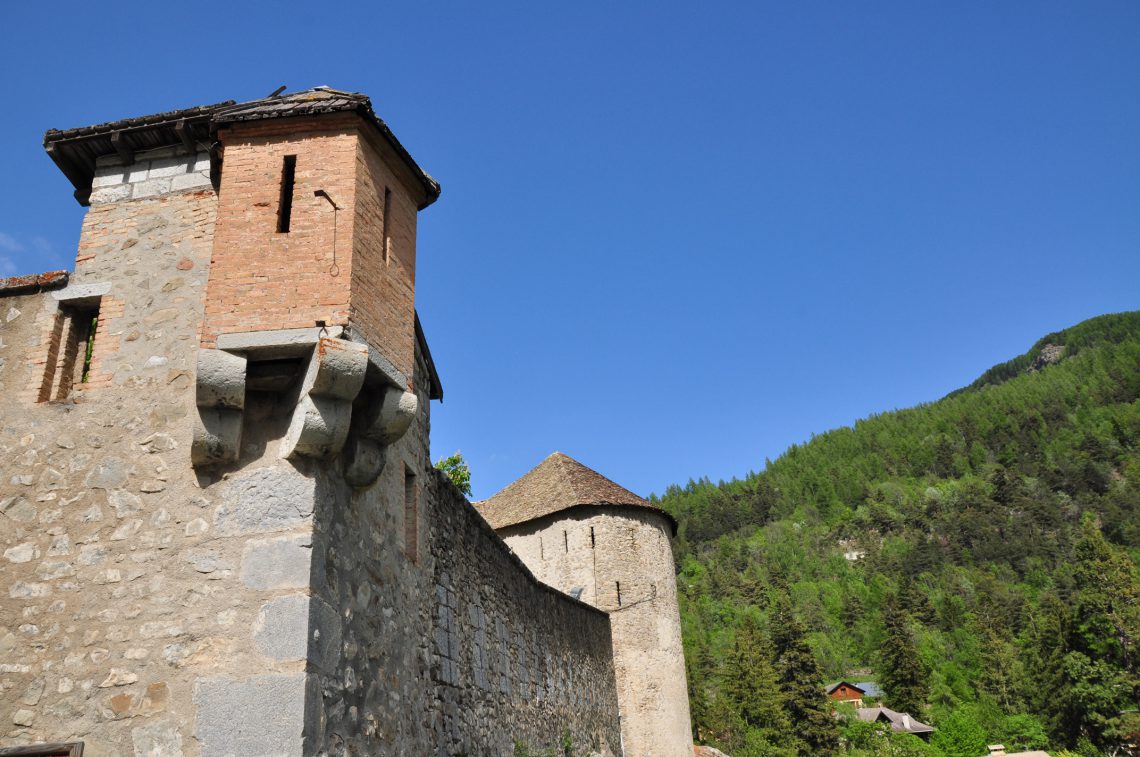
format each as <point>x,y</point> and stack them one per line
<point>220,530</point>
<point>602,544</point>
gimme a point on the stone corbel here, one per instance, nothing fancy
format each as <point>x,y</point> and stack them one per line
<point>320,422</point>
<point>382,422</point>
<point>220,400</point>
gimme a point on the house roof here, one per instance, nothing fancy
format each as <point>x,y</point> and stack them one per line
<point>557,484</point>
<point>870,688</point>
<point>831,687</point>
<point>900,721</point>
<point>75,151</point>
<point>32,283</point>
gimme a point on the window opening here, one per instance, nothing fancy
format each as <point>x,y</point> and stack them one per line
<point>285,204</point>
<point>618,585</point>
<point>411,515</point>
<point>591,537</point>
<point>565,541</point>
<point>89,348</point>
<point>385,227</point>
<point>71,350</point>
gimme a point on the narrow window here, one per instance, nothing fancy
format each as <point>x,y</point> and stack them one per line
<point>71,348</point>
<point>565,542</point>
<point>285,204</point>
<point>591,537</point>
<point>411,516</point>
<point>385,226</point>
<point>541,553</point>
<point>618,585</point>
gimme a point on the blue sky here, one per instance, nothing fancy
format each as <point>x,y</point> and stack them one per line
<point>674,238</point>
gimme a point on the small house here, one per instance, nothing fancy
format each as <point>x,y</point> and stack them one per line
<point>901,722</point>
<point>843,691</point>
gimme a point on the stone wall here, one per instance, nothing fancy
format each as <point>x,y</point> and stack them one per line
<point>514,660</point>
<point>143,604</point>
<point>449,645</point>
<point>619,559</point>
<point>262,605</point>
<point>112,590</point>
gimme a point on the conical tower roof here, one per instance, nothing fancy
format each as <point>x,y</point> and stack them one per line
<point>558,483</point>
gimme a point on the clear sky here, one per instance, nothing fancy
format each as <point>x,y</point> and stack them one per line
<point>674,238</point>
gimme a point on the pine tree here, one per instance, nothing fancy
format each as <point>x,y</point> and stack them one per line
<point>751,683</point>
<point>801,681</point>
<point>902,673</point>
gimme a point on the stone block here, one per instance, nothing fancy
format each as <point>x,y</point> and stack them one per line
<point>217,436</point>
<point>325,635</point>
<point>76,293</point>
<point>110,473</point>
<point>318,428</point>
<point>18,509</point>
<point>264,499</point>
<point>157,739</point>
<point>336,369</point>
<point>262,714</point>
<point>283,563</point>
<point>387,418</point>
<point>150,188</point>
<point>189,181</point>
<point>164,167</point>
<point>221,379</point>
<point>137,171</point>
<point>282,628</point>
<point>109,176</point>
<point>277,342</point>
<point>364,461</point>
<point>114,193</point>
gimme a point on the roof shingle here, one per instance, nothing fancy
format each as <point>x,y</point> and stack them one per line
<point>558,483</point>
<point>75,151</point>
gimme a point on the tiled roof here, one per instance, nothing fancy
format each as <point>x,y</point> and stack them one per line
<point>558,483</point>
<point>76,150</point>
<point>900,721</point>
<point>35,282</point>
<point>304,103</point>
<point>321,100</point>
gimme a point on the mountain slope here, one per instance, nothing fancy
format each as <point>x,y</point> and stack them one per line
<point>967,514</point>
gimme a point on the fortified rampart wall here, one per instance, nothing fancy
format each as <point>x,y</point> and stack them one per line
<point>619,559</point>
<point>262,606</point>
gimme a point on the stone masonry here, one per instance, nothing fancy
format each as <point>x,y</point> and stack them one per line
<point>220,530</point>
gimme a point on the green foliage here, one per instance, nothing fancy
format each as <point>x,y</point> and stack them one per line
<point>457,470</point>
<point>902,673</point>
<point>960,735</point>
<point>993,539</point>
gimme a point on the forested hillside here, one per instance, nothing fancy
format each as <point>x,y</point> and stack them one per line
<point>976,556</point>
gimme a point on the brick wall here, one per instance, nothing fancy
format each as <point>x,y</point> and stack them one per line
<point>384,280</point>
<point>261,279</point>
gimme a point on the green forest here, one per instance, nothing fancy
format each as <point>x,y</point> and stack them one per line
<point>977,557</point>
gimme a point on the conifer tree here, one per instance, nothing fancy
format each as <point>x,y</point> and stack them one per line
<point>902,673</point>
<point>801,681</point>
<point>752,684</point>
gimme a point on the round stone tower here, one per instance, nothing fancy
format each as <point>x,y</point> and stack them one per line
<point>586,536</point>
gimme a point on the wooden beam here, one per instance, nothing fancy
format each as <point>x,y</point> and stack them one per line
<point>120,144</point>
<point>79,178</point>
<point>186,133</point>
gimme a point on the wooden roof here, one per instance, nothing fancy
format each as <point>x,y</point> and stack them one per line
<point>76,151</point>
<point>557,484</point>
